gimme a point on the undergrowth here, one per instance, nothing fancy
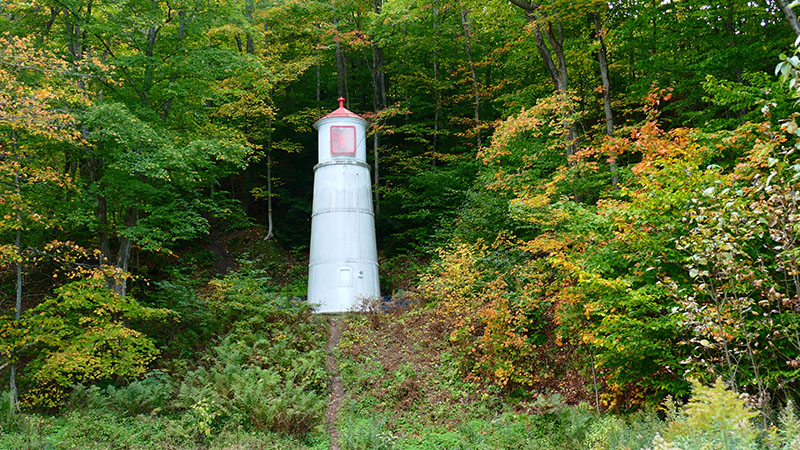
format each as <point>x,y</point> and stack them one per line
<point>406,391</point>
<point>257,381</point>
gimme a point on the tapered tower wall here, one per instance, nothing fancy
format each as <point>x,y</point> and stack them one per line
<point>343,262</point>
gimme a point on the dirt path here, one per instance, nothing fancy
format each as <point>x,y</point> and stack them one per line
<point>337,390</point>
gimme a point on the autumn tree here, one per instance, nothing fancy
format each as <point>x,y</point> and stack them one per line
<point>36,99</point>
<point>544,20</point>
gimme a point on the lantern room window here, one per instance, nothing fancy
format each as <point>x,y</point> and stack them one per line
<point>343,140</point>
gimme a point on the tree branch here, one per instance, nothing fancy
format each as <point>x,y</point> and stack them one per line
<point>527,6</point>
<point>124,71</point>
<point>16,65</point>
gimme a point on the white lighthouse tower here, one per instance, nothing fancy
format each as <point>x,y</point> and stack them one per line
<point>343,262</point>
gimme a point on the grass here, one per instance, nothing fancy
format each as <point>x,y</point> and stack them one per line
<point>97,429</point>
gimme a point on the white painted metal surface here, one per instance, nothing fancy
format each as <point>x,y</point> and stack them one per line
<point>343,262</point>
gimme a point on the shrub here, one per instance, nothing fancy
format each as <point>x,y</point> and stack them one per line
<point>715,417</point>
<point>787,436</point>
<point>82,335</point>
<point>616,432</point>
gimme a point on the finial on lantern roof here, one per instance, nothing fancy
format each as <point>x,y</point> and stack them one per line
<point>341,112</point>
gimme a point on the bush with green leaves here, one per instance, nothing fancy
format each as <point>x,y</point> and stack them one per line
<point>242,300</point>
<point>623,432</point>
<point>743,262</point>
<point>715,417</point>
<point>787,435</point>
<point>84,334</point>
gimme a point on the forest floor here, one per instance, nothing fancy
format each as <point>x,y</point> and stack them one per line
<point>404,388</point>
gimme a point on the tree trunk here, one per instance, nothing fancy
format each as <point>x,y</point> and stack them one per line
<point>120,282</point>
<point>378,103</point>
<point>602,59</point>
<point>181,34</point>
<point>270,224</point>
<point>594,382</point>
<point>18,248</point>
<point>376,167</point>
<point>378,75</point>
<point>344,77</point>
<point>270,234</point>
<point>341,63</point>
<point>379,79</point>
<point>247,175</point>
<point>102,229</point>
<point>476,92</point>
<point>149,65</point>
<point>556,64</point>
<point>559,77</point>
<point>791,16</point>
<point>54,12</point>
<point>437,92</point>
<point>654,37</point>
<point>556,40</point>
<point>318,53</point>
<point>95,166</point>
<point>406,90</point>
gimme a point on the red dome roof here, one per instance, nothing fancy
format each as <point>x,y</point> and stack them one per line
<point>341,112</point>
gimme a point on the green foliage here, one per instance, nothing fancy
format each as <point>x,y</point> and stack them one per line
<point>741,264</point>
<point>787,435</point>
<point>548,279</point>
<point>366,434</point>
<point>789,70</point>
<point>267,372</point>
<point>632,432</point>
<point>427,202</point>
<point>157,173</point>
<point>151,394</point>
<point>265,385</point>
<point>756,96</point>
<point>82,335</point>
<point>238,301</point>
<point>714,417</point>
<point>247,300</point>
<point>103,429</point>
<point>677,271</point>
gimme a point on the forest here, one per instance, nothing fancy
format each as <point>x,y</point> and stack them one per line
<point>587,215</point>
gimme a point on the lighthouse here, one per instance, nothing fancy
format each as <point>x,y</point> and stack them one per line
<point>343,261</point>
